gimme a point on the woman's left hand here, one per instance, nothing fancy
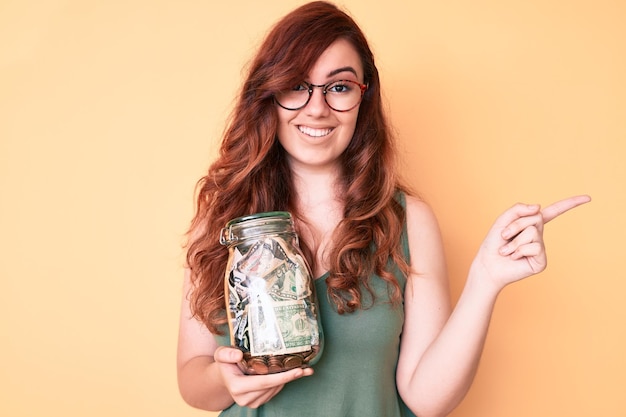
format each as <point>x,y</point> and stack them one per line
<point>514,248</point>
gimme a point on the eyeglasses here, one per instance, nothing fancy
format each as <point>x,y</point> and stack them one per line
<point>342,95</point>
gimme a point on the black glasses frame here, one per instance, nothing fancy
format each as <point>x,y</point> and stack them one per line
<point>324,87</point>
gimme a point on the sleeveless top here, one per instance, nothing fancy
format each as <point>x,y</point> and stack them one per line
<point>356,373</point>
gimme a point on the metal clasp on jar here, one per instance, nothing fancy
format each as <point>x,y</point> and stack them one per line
<point>226,236</point>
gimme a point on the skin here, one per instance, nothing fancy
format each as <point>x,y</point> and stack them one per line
<point>440,347</point>
<point>314,138</point>
<point>316,135</point>
<point>440,350</point>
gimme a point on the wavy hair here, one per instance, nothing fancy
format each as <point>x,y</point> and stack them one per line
<point>251,173</point>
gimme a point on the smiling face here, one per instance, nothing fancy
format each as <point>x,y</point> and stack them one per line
<point>316,135</point>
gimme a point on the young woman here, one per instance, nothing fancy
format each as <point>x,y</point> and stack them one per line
<point>308,135</point>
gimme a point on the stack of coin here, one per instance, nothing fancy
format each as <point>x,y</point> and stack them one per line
<point>271,364</point>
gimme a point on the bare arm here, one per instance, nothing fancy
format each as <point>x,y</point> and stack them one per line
<point>199,380</point>
<point>439,354</point>
<point>208,375</point>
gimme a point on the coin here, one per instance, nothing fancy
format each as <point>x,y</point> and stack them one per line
<point>275,364</point>
<point>258,366</point>
<point>293,361</point>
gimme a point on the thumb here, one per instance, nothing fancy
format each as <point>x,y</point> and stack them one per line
<point>227,354</point>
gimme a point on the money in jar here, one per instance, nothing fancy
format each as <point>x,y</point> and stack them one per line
<point>272,309</point>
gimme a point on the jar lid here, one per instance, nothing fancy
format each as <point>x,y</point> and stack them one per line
<point>264,215</point>
<point>254,225</point>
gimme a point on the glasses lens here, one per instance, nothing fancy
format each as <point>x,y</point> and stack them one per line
<point>294,98</point>
<point>343,95</point>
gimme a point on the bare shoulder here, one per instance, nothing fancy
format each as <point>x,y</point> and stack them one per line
<point>419,214</point>
<point>425,241</point>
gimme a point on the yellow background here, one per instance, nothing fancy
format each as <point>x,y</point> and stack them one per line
<point>110,111</point>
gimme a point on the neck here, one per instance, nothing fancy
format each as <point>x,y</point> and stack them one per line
<point>318,198</point>
<point>316,187</point>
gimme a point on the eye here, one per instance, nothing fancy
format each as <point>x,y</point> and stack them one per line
<point>300,87</point>
<point>340,87</point>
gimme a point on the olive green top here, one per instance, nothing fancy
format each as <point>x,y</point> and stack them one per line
<point>356,373</point>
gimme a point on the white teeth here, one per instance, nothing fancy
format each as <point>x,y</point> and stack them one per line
<point>316,133</point>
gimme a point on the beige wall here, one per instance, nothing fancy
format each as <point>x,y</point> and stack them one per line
<point>109,112</point>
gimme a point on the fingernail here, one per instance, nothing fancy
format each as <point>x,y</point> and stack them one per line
<point>506,233</point>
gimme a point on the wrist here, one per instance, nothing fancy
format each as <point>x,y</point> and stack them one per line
<point>481,281</point>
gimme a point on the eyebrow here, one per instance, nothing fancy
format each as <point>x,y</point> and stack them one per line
<point>342,69</point>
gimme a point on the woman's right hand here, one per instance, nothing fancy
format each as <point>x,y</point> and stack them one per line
<point>251,390</point>
<point>208,375</point>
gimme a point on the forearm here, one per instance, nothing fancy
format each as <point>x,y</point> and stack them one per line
<point>437,367</point>
<point>201,385</point>
<point>447,368</point>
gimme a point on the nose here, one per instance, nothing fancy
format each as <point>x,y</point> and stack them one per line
<point>317,103</point>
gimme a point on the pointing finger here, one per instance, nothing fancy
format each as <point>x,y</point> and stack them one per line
<point>556,209</point>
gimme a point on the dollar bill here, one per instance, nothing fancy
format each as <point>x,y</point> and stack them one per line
<point>259,260</point>
<point>270,300</point>
<point>283,330</point>
<point>288,282</point>
<point>264,327</point>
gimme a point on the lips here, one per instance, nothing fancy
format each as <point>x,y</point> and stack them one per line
<point>316,133</point>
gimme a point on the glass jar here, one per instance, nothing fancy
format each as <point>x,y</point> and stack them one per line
<point>272,308</point>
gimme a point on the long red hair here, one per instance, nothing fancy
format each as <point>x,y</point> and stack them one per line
<point>251,173</point>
